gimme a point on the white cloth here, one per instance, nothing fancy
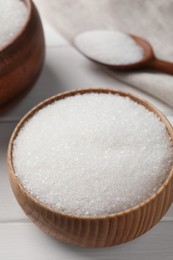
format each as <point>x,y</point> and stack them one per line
<point>152,20</point>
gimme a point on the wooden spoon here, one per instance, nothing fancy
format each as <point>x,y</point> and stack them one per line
<point>149,60</point>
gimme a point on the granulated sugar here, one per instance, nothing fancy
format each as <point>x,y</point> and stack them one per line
<point>92,154</point>
<point>110,47</point>
<point>13,16</point>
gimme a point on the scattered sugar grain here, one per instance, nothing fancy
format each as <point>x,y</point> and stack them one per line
<point>109,47</point>
<point>13,16</point>
<point>92,154</point>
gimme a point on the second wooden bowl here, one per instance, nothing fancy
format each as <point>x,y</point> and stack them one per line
<point>22,59</point>
<point>100,231</point>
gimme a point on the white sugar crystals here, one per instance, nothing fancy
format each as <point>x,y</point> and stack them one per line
<point>13,16</point>
<point>109,47</point>
<point>92,154</point>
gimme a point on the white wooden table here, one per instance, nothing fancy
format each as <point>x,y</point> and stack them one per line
<point>19,239</point>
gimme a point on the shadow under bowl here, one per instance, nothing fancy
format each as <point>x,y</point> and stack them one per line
<point>22,59</point>
<point>90,231</point>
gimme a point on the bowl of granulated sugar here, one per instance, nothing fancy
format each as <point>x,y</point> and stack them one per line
<point>93,167</point>
<point>22,48</point>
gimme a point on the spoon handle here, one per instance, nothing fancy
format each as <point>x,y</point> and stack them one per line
<point>161,65</point>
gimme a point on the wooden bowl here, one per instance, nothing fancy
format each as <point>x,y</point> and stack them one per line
<point>100,231</point>
<point>22,59</point>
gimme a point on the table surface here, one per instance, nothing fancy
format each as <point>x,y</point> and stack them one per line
<point>66,69</point>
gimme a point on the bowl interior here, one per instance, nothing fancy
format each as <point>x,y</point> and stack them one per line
<point>72,93</point>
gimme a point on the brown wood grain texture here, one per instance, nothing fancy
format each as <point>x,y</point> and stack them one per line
<point>101,231</point>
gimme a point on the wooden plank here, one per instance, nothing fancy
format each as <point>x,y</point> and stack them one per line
<point>52,37</point>
<point>66,69</point>
<point>10,210</point>
<point>25,241</point>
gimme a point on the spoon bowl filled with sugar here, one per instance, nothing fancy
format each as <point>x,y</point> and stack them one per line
<point>22,48</point>
<point>93,167</point>
<point>120,51</point>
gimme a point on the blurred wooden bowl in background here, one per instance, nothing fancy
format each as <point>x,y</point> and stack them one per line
<point>22,59</point>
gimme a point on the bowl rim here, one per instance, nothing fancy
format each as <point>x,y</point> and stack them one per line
<point>29,5</point>
<point>74,92</point>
